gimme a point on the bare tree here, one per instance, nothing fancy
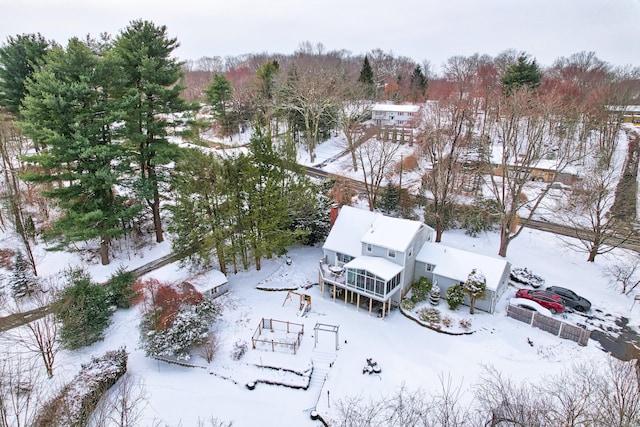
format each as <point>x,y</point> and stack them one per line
<point>41,335</point>
<point>526,136</point>
<point>123,406</point>
<point>375,158</point>
<point>447,126</point>
<point>210,347</point>
<point>625,274</point>
<point>616,395</point>
<point>312,89</point>
<point>353,110</point>
<point>11,148</point>
<point>20,391</point>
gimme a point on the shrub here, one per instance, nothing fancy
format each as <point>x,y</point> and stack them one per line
<point>408,304</point>
<point>455,296</point>
<point>465,323</point>
<point>447,321</point>
<point>239,349</point>
<point>428,314</point>
<point>420,289</point>
<point>120,291</point>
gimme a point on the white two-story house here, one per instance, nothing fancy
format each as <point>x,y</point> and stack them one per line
<point>398,115</point>
<point>371,260</point>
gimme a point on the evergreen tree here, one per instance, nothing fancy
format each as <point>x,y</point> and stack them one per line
<point>120,291</point>
<point>20,57</point>
<point>366,77</point>
<point>21,281</point>
<point>523,74</point>
<point>218,94</point>
<point>475,287</point>
<point>151,93</point>
<point>454,296</point>
<point>417,84</point>
<point>70,110</point>
<point>82,310</point>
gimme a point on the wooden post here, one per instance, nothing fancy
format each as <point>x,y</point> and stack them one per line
<point>321,281</point>
<point>346,292</point>
<point>370,305</point>
<point>358,302</point>
<point>384,309</point>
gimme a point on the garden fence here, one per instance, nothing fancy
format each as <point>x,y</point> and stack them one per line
<point>549,324</point>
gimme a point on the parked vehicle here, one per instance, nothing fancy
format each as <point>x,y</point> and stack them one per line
<point>571,299</point>
<point>530,305</point>
<point>547,299</point>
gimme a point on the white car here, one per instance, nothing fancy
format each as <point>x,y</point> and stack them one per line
<point>530,305</point>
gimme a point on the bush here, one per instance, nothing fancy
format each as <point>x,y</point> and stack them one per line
<point>120,291</point>
<point>455,296</point>
<point>82,310</point>
<point>420,289</point>
<point>428,314</point>
<point>447,321</point>
<point>239,349</point>
<point>481,216</point>
<point>465,323</point>
<point>408,304</point>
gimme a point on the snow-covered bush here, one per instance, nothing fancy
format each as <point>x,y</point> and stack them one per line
<point>465,323</point>
<point>428,314</point>
<point>526,277</point>
<point>420,289</point>
<point>177,322</point>
<point>408,304</point>
<point>239,349</point>
<point>475,287</point>
<point>447,321</point>
<point>76,401</point>
<point>455,296</point>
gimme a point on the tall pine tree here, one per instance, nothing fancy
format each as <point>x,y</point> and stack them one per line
<point>151,94</point>
<point>366,77</point>
<point>69,109</point>
<point>523,74</point>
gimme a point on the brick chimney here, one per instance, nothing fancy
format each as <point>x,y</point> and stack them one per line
<point>333,215</point>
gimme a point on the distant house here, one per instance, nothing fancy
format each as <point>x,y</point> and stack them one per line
<point>398,115</point>
<point>211,284</point>
<point>448,266</point>
<point>371,260</point>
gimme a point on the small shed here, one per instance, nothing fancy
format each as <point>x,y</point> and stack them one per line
<point>450,266</point>
<point>211,284</point>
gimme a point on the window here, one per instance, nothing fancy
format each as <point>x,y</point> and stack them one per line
<point>392,253</point>
<point>429,267</point>
<point>343,258</point>
<point>369,247</point>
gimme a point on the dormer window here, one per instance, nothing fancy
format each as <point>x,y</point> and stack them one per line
<point>391,253</point>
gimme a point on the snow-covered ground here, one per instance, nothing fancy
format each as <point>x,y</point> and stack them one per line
<point>408,354</point>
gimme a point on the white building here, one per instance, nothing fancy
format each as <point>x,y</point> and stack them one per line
<point>398,115</point>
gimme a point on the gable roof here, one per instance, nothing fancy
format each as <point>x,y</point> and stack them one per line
<point>392,233</point>
<point>346,234</point>
<point>207,281</point>
<point>355,226</point>
<point>457,264</point>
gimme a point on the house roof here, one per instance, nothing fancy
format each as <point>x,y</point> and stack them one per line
<point>409,108</point>
<point>356,226</point>
<point>346,234</point>
<point>207,281</point>
<point>384,269</point>
<point>392,233</point>
<point>457,264</point>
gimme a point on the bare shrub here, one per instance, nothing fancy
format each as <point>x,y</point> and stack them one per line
<point>210,347</point>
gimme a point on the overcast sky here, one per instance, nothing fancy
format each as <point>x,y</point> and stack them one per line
<point>420,29</point>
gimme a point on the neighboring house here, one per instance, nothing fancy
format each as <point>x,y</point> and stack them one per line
<point>373,259</point>
<point>211,284</point>
<point>371,255</point>
<point>448,266</point>
<point>543,171</point>
<point>398,115</point>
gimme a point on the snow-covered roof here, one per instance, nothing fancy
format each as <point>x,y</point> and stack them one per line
<point>381,267</point>
<point>409,108</point>
<point>457,264</point>
<point>356,226</point>
<point>207,281</point>
<point>392,233</point>
<point>346,234</point>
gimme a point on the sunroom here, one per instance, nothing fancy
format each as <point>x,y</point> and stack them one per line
<point>374,278</point>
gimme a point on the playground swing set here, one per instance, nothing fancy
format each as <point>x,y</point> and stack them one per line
<point>304,304</point>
